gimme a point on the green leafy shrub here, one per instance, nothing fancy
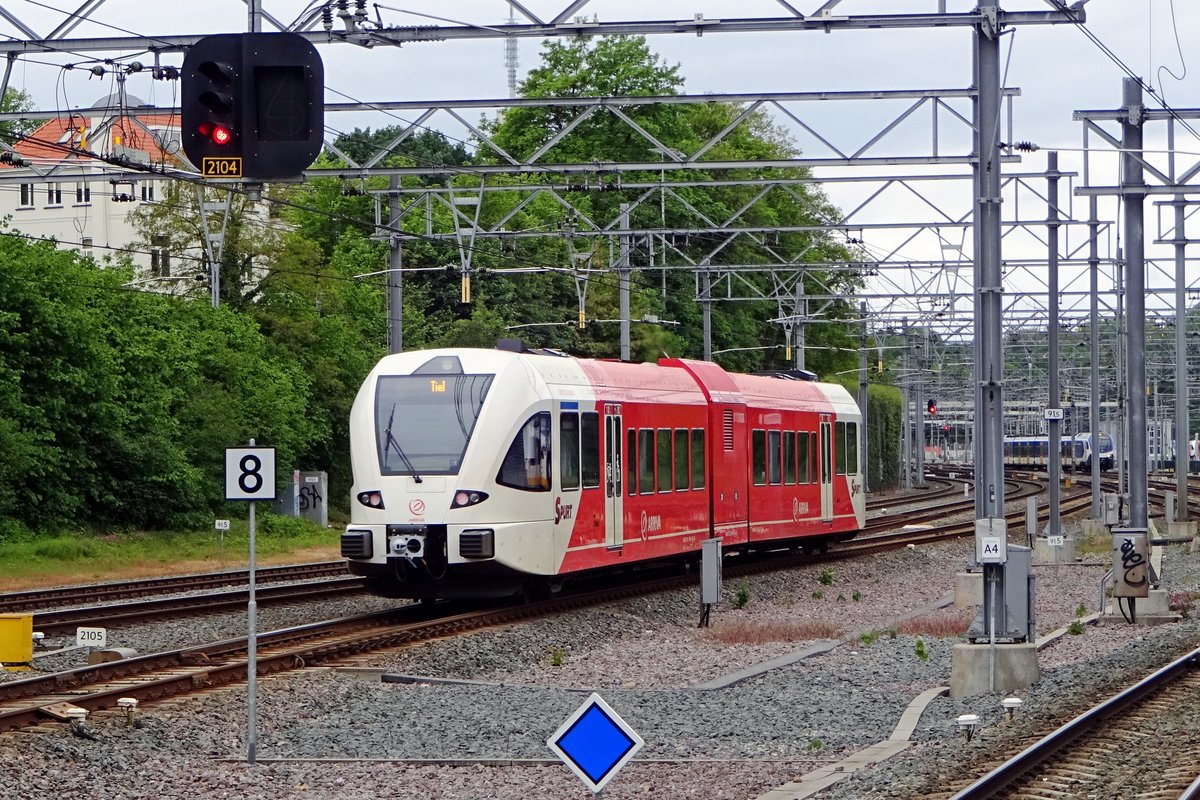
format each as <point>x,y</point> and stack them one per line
<point>1075,628</point>
<point>922,650</point>
<point>826,577</point>
<point>742,597</point>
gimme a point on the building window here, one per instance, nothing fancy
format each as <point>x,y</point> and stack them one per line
<point>26,194</point>
<point>160,257</point>
<point>53,194</point>
<point>85,247</point>
<point>148,192</point>
<point>83,193</point>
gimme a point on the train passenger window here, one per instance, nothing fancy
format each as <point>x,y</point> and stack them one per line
<point>774,467</point>
<point>758,440</point>
<point>681,459</point>
<point>589,439</point>
<point>697,458</point>
<point>631,462</point>
<point>812,449</point>
<point>789,457</point>
<point>803,452</point>
<point>526,465</point>
<point>646,461</point>
<point>852,466</point>
<point>840,446</point>
<point>664,459</point>
<point>568,437</point>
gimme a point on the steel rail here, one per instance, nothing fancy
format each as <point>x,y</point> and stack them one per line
<point>1017,766</point>
<point>40,598</point>
<point>66,620</point>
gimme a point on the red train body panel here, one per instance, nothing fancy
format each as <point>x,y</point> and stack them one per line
<point>478,472</point>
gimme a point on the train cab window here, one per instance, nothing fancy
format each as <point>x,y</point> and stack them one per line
<point>526,465</point>
<point>758,441</point>
<point>589,442</point>
<point>774,467</point>
<point>681,459</point>
<point>664,460</point>
<point>697,458</point>
<point>804,458</point>
<point>424,421</point>
<point>631,462</point>
<point>646,461</point>
<point>568,437</point>
<point>789,457</point>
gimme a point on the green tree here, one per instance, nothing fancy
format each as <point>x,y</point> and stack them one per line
<point>15,101</point>
<point>625,66</point>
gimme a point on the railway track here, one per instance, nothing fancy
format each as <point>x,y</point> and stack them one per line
<point>1136,745</point>
<point>32,700</point>
<point>118,590</point>
<point>64,621</point>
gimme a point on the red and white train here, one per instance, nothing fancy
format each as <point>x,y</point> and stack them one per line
<point>489,472</point>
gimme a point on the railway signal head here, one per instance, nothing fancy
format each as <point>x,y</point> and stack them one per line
<point>932,407</point>
<point>211,98</point>
<point>252,105</point>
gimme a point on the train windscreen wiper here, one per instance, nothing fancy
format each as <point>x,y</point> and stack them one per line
<point>389,442</point>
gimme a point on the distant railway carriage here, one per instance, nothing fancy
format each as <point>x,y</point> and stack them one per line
<point>486,472</point>
<point>1075,451</point>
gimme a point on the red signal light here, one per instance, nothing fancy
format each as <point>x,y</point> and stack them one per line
<point>217,134</point>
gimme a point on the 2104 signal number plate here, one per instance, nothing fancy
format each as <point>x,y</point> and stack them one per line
<point>223,167</point>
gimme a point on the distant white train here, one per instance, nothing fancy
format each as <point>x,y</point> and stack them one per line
<point>1075,451</point>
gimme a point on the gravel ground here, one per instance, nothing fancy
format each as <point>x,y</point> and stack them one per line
<point>647,657</point>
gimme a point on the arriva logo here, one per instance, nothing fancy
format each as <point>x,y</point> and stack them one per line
<point>650,524</point>
<point>416,506</point>
<point>561,511</point>
<point>799,510</point>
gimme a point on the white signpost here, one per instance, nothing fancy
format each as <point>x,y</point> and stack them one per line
<point>91,637</point>
<point>250,475</point>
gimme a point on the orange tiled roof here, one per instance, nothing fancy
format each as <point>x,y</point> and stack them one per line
<point>56,138</point>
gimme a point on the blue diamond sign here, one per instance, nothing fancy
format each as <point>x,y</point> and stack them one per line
<point>595,743</point>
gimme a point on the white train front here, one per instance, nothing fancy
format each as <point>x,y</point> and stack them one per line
<point>488,472</point>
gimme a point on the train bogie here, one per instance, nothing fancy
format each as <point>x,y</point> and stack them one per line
<point>482,472</point>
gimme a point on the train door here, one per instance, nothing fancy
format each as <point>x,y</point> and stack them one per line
<point>826,462</point>
<point>614,513</point>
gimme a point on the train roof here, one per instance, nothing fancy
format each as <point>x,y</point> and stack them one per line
<point>674,380</point>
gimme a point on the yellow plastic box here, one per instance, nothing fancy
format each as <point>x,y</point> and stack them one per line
<point>16,638</point>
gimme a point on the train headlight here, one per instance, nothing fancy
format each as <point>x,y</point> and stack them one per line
<point>371,499</point>
<point>468,497</point>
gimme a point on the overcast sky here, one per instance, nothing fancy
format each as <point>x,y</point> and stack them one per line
<point>1057,68</point>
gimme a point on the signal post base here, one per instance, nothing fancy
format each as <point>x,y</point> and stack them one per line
<point>1152,610</point>
<point>968,589</point>
<point>1046,553</point>
<point>972,669</point>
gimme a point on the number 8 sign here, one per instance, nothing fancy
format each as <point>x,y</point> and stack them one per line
<point>249,473</point>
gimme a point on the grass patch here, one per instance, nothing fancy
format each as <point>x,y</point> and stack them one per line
<point>29,561</point>
<point>938,626</point>
<point>767,632</point>
<point>1097,544</point>
<point>1183,602</point>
